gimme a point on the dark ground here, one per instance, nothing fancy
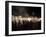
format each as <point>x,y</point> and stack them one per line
<point>26,26</point>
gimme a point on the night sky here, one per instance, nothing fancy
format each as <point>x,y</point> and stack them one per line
<point>26,11</point>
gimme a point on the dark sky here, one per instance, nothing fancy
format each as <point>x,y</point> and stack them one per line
<point>26,11</point>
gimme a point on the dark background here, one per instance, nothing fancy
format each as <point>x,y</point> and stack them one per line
<point>26,11</point>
